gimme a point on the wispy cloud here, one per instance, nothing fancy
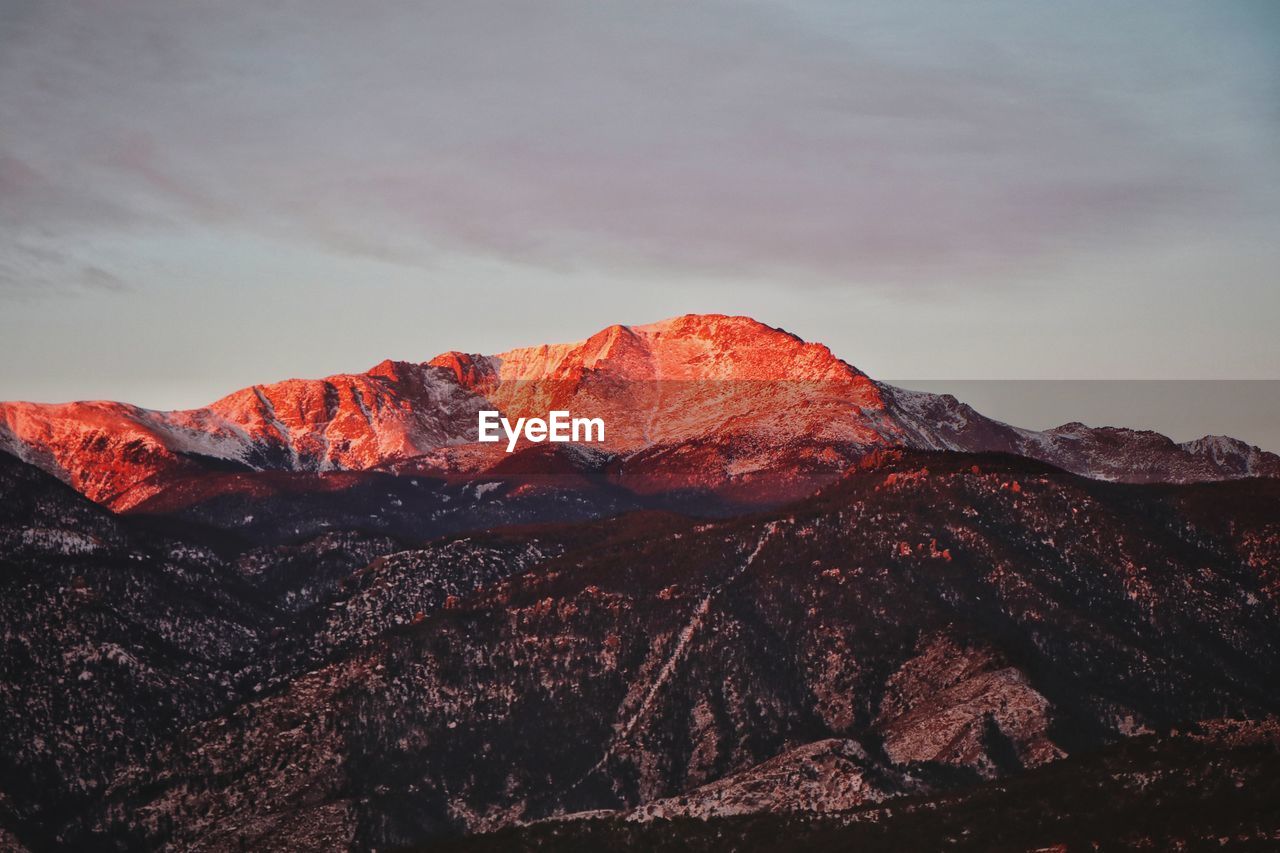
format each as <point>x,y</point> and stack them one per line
<point>892,143</point>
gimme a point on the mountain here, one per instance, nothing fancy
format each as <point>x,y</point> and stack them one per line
<point>781,605</point>
<point>720,404</point>
<point>931,621</point>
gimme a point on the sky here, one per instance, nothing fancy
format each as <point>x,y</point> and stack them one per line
<point>195,197</point>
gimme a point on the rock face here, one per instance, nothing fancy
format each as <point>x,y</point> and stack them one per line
<point>965,707</point>
<point>725,402</point>
<point>825,776</point>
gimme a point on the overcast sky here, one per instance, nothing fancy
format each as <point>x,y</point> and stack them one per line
<point>200,196</point>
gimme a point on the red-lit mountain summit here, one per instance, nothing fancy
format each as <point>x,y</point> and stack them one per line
<point>715,400</point>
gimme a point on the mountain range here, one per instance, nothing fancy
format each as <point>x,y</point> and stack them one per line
<point>782,604</point>
<point>723,400</point>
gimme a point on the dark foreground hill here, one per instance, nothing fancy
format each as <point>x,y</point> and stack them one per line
<point>930,626</point>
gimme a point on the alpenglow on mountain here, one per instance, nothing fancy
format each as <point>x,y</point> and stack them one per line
<point>726,400</point>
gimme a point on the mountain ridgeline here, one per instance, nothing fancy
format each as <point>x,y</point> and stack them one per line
<point>725,402</point>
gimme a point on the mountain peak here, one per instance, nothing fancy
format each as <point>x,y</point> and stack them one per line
<point>690,347</point>
<point>688,322</point>
<point>468,369</point>
<point>736,328</point>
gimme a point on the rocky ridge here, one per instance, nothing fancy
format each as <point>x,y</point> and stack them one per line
<point>726,400</point>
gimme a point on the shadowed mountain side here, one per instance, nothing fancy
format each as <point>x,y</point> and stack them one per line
<point>945,618</point>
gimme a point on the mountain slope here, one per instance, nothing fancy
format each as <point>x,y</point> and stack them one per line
<point>1214,788</point>
<point>120,632</point>
<point>957,617</point>
<point>118,454</point>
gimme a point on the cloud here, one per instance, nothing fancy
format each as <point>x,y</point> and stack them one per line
<point>100,279</point>
<point>32,271</point>
<point>814,143</point>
